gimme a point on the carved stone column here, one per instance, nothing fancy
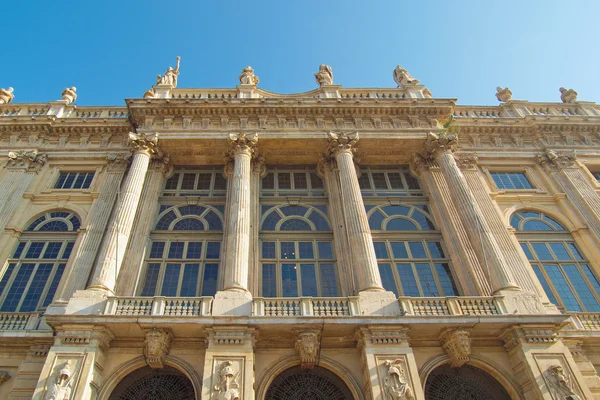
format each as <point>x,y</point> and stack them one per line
<point>342,147</point>
<point>469,271</point>
<point>570,174</point>
<point>81,261</point>
<point>229,363</point>
<point>235,297</point>
<point>21,168</point>
<point>542,365</point>
<point>388,363</point>
<point>115,242</point>
<point>439,149</point>
<point>145,217</point>
<point>259,170</point>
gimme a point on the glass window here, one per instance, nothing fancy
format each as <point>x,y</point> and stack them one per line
<point>388,181</point>
<point>511,180</point>
<point>74,180</point>
<point>292,181</point>
<point>206,182</point>
<point>596,175</point>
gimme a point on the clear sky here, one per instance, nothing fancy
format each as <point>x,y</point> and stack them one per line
<point>112,50</point>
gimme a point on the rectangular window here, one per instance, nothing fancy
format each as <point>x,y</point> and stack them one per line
<point>209,182</point>
<point>511,180</point>
<point>74,180</point>
<point>388,181</point>
<point>292,181</point>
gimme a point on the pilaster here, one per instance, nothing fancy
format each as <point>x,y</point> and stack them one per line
<point>25,380</point>
<point>389,367</point>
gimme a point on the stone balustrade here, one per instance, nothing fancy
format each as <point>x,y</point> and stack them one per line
<point>306,307</point>
<point>522,109</point>
<point>165,306</point>
<point>38,110</point>
<point>587,321</point>
<point>448,306</point>
<point>19,321</point>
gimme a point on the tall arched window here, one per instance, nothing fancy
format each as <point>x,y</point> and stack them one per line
<point>408,245</point>
<point>34,271</point>
<point>185,251</point>
<point>562,269</point>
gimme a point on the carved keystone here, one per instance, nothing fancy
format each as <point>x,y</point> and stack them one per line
<point>457,344</point>
<point>307,347</point>
<point>157,346</point>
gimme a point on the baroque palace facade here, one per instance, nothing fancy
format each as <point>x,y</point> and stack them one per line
<point>337,244</point>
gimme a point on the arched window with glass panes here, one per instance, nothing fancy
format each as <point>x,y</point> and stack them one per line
<point>561,267</point>
<point>408,245</point>
<point>297,257</point>
<point>185,251</point>
<point>33,273</point>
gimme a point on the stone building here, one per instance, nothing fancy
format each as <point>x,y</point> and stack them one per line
<point>335,244</point>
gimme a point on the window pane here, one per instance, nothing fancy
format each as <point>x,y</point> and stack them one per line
<point>364,182</point>
<point>194,250</point>
<point>269,285</point>
<point>325,251</point>
<point>204,181</point>
<point>35,249</point>
<point>268,182</point>
<point>407,279</point>
<point>545,285</point>
<point>300,181</point>
<point>315,181</point>
<point>54,285</point>
<point>268,250</point>
<point>560,251</point>
<point>188,181</point>
<point>387,278</point>
<point>417,250</point>
<point>88,180</point>
<point>306,250</point>
<point>32,297</point>
<point>379,180</point>
<point>61,180</point>
<point>151,279</point>
<point>435,249</point>
<point>213,250</point>
<point>52,250</point>
<point>328,281</point>
<point>527,251</point>
<point>288,250</point>
<point>581,288</point>
<point>79,181</point>
<point>6,277</point>
<point>412,182</point>
<point>190,280</point>
<point>395,180</point>
<point>399,249</point>
<point>563,289</point>
<point>209,283</point>
<point>309,280</point>
<point>171,280</point>
<point>588,272</point>
<point>427,281</point>
<point>176,250</point>
<point>575,251</point>
<point>446,280</point>
<point>19,249</point>
<point>16,289</point>
<point>284,180</point>
<point>157,249</point>
<point>220,181</point>
<point>380,250</point>
<point>289,280</point>
<point>542,251</point>
<point>172,182</point>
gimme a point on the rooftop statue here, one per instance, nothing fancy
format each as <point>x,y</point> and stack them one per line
<point>170,76</point>
<point>503,94</point>
<point>568,96</point>
<point>6,95</point>
<point>427,93</point>
<point>325,75</point>
<point>247,77</point>
<point>403,78</point>
<point>69,95</point>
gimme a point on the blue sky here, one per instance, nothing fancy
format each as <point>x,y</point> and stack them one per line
<point>112,50</point>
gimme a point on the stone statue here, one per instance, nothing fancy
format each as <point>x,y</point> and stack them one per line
<point>395,384</point>
<point>149,94</point>
<point>170,76</point>
<point>560,384</point>
<point>227,385</point>
<point>247,77</point>
<point>60,387</point>
<point>69,95</point>
<point>503,94</point>
<point>568,96</point>
<point>325,75</point>
<point>6,95</point>
<point>427,93</point>
<point>403,78</point>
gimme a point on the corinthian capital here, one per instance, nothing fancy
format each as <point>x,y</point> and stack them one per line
<point>140,142</point>
<point>342,142</point>
<point>30,160</point>
<point>440,143</point>
<point>240,142</point>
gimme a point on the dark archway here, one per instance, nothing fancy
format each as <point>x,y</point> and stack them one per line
<point>316,384</point>
<point>154,384</point>
<point>464,383</point>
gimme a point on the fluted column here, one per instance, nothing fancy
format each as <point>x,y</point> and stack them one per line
<point>22,167</point>
<point>115,242</point>
<point>237,237</point>
<point>469,270</point>
<point>342,147</point>
<point>259,170</point>
<point>81,261</point>
<point>144,219</point>
<point>439,149</point>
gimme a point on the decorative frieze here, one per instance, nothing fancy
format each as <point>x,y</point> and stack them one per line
<point>532,335</point>
<point>307,347</point>
<point>118,161</point>
<point>156,347</point>
<point>467,160</point>
<point>557,159</point>
<point>30,160</point>
<point>457,344</point>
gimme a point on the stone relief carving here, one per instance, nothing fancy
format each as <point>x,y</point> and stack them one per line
<point>503,94</point>
<point>403,78</point>
<point>427,93</point>
<point>157,346</point>
<point>149,94</point>
<point>30,159</point>
<point>227,385</point>
<point>69,95</point>
<point>395,385</point>
<point>568,95</point>
<point>560,383</point>
<point>242,142</point>
<point>342,141</point>
<point>467,160</point>
<point>439,143</point>
<point>143,142</point>
<point>457,344</point>
<point>247,77</point>
<point>60,386</point>
<point>557,158</point>
<point>325,75</point>
<point>307,347</point>
<point>6,95</point>
<point>170,76</point>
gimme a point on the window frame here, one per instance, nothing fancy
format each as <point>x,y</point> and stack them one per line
<point>212,192</point>
<point>528,171</point>
<point>367,171</point>
<point>310,191</point>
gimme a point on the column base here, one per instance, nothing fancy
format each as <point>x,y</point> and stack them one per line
<point>379,303</point>
<point>86,302</point>
<point>232,303</point>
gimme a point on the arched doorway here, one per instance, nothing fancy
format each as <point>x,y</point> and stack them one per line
<point>154,384</point>
<point>464,383</point>
<point>316,384</point>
